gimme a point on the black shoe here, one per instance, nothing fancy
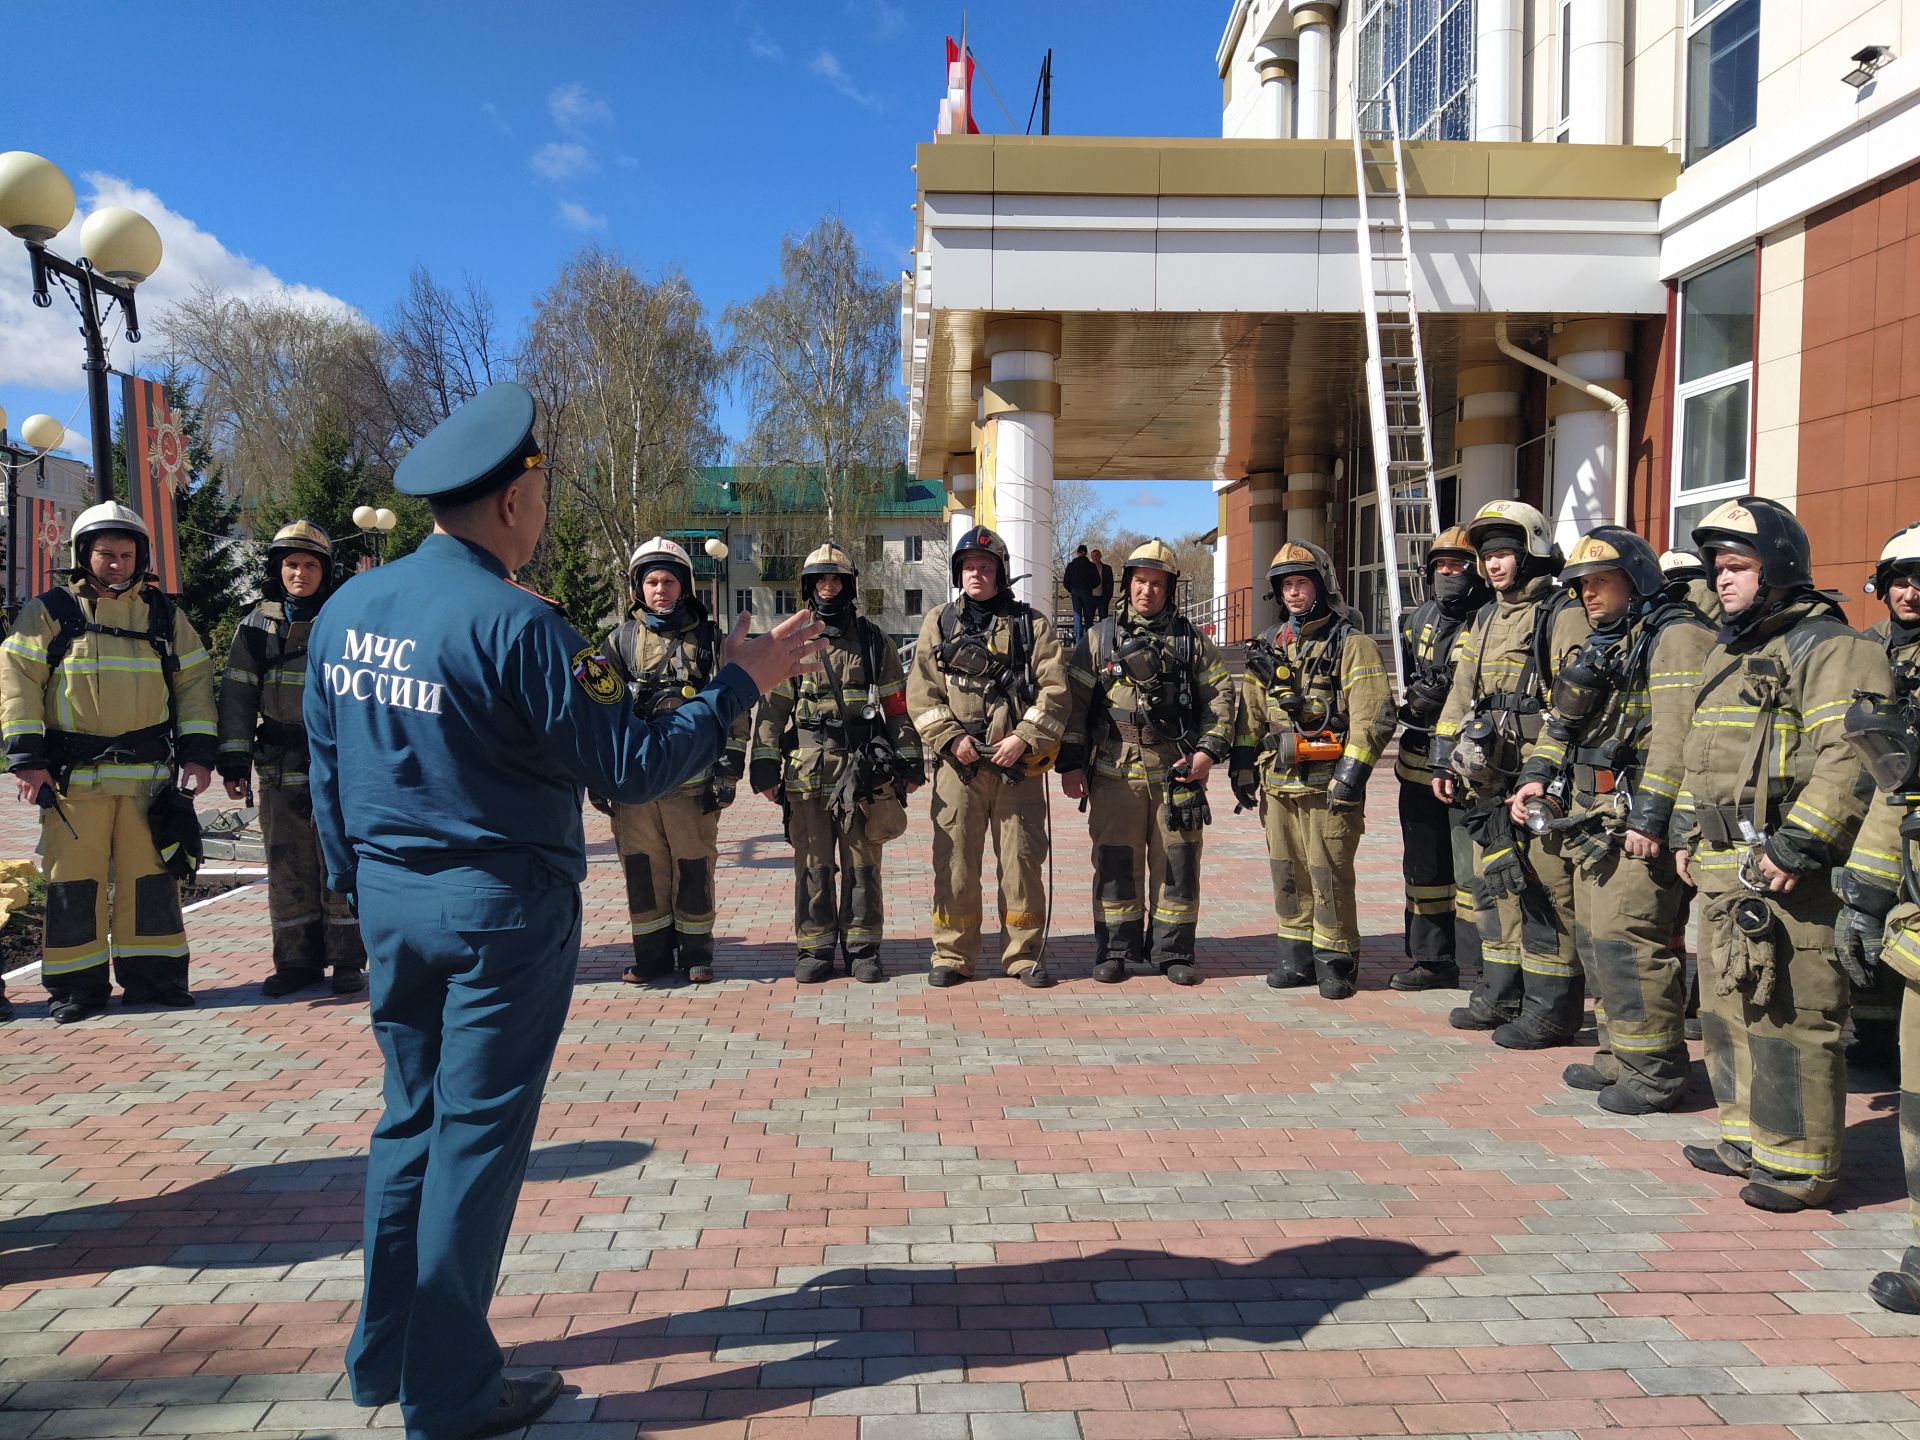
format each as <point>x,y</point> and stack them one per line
<point>1035,977</point>
<point>1584,1077</point>
<point>350,981</point>
<point>813,970</point>
<point>1465,1017</point>
<point>1290,979</point>
<point>521,1403</point>
<point>1618,1100</point>
<point>945,975</point>
<point>286,982</point>
<point>1110,972</point>
<point>1895,1290</point>
<point>1713,1160</point>
<point>71,1012</point>
<point>174,997</point>
<point>1765,1197</point>
<point>1181,972</point>
<point>6,1010</point>
<point>869,971</point>
<point>1426,977</point>
<point>1335,989</point>
<point>1518,1035</point>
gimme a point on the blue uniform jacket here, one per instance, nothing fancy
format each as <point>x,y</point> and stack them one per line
<point>454,720</point>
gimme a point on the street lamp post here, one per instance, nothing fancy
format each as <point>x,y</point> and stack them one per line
<point>716,549</point>
<point>373,526</point>
<point>119,248</point>
<point>43,434</point>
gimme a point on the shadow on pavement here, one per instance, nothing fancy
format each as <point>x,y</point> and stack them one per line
<point>871,1324</point>
<point>261,1215</point>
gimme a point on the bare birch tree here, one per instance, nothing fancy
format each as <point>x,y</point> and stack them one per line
<point>817,356</point>
<point>625,370</point>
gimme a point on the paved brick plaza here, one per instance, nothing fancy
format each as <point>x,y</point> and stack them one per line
<point>894,1213</point>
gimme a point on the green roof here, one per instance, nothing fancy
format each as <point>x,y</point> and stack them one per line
<point>794,490</point>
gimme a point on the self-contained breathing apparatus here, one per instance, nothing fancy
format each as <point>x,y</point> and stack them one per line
<point>671,683</point>
<point>858,729</point>
<point>1157,671</point>
<point>1486,749</point>
<point>1315,727</point>
<point>966,651</point>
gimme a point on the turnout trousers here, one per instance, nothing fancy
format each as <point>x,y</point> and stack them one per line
<point>1140,866</point>
<point>849,914</point>
<point>470,986</point>
<point>1529,969</point>
<point>1310,849</point>
<point>668,849</point>
<point>108,896</point>
<point>312,926</point>
<point>1436,861</point>
<point>964,814</point>
<point>1627,913</point>
<point>1910,1098</point>
<point>1779,1069</point>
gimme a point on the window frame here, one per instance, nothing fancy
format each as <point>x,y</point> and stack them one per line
<point>915,548</point>
<point>1679,497</point>
<point>1694,26</point>
<point>1563,123</point>
<point>916,604</point>
<point>785,601</point>
<point>742,601</point>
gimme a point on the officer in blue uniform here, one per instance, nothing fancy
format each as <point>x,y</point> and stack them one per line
<point>455,720</point>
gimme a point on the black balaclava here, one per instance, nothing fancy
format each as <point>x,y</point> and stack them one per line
<point>981,614</point>
<point>836,614</point>
<point>682,613</point>
<point>1460,595</point>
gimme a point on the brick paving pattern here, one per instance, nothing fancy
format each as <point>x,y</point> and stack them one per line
<point>987,1213</point>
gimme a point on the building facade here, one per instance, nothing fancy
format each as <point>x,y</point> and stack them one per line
<point>1706,207</point>
<point>768,524</point>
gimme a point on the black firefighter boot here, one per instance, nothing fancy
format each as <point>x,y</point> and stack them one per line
<point>1336,973</point>
<point>1292,966</point>
<point>1898,1290</point>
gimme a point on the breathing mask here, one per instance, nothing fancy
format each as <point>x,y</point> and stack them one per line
<point>1581,689</point>
<point>1137,659</point>
<point>1882,732</point>
<point>968,654</point>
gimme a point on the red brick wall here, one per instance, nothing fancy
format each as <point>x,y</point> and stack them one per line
<point>1860,381</point>
<point>1239,556</point>
<point>1651,458</point>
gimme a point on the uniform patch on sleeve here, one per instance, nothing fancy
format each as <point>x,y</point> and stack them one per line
<point>597,676</point>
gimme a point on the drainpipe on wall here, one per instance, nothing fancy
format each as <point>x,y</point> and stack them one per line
<point>1621,416</point>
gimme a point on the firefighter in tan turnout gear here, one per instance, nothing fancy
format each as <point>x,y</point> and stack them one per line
<point>1436,856</point>
<point>988,694</point>
<point>1152,713</point>
<point>1877,934</point>
<point>837,750</point>
<point>1877,1003</point>
<point>106,689</point>
<point>1772,797</point>
<point>1531,992</point>
<point>261,730</point>
<point>1318,711</point>
<point>667,651</point>
<point>1604,778</point>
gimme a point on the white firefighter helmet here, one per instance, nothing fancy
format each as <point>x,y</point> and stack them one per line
<point>659,553</point>
<point>1526,525</point>
<point>110,517</point>
<point>1900,556</point>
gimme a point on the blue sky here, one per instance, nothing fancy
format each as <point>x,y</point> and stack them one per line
<point>332,147</point>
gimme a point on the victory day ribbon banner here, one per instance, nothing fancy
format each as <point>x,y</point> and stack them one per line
<point>156,470</point>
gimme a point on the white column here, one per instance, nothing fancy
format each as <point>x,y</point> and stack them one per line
<point>1584,431</point>
<point>1313,29</point>
<point>1597,72</point>
<point>1309,492</point>
<point>1498,47</point>
<point>1277,62</point>
<point>1488,431</point>
<point>960,497</point>
<point>1266,528</point>
<point>1020,402</point>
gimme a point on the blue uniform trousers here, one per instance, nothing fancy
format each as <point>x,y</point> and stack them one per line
<point>470,987</point>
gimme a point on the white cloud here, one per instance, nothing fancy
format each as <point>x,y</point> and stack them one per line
<point>763,46</point>
<point>827,66</point>
<point>574,108</point>
<point>581,218</point>
<point>887,19</point>
<point>1142,498</point>
<point>39,347</point>
<point>562,160</point>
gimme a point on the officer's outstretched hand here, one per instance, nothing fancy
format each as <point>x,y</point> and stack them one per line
<point>783,652</point>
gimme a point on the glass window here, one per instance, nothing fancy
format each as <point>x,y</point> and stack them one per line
<point>783,602</point>
<point>743,547</point>
<point>1716,327</point>
<point>1723,73</point>
<point>915,602</point>
<point>914,544</point>
<point>1565,113</point>
<point>1714,394</point>
<point>1423,53</point>
<point>743,602</point>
